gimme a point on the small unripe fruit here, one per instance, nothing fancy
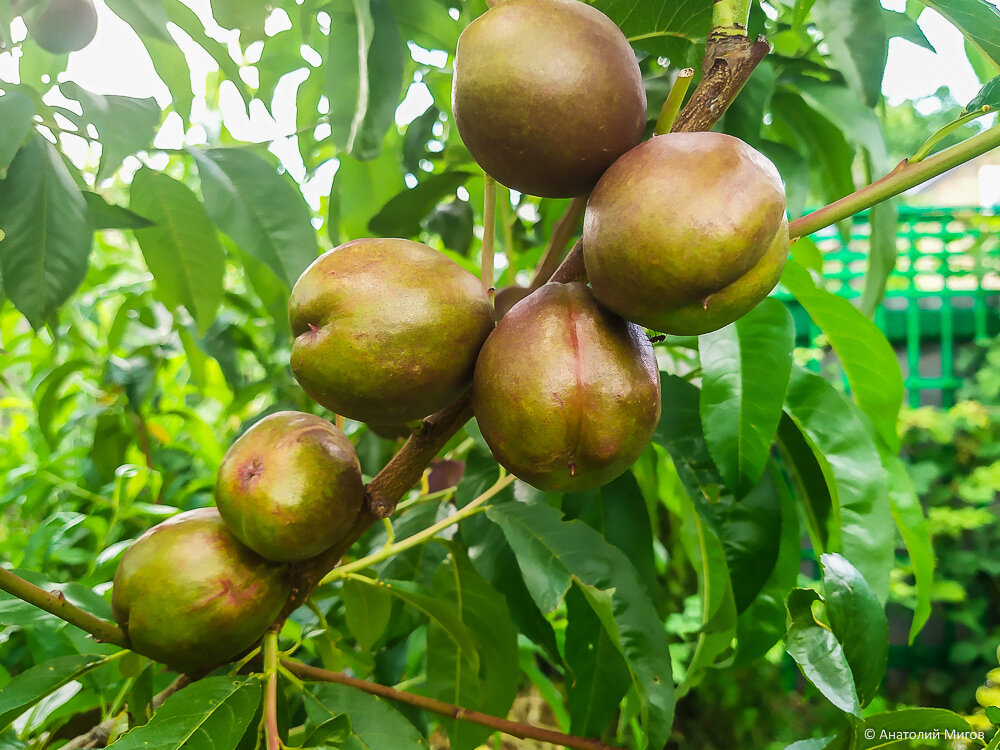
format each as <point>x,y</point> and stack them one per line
<point>290,487</point>
<point>686,232</point>
<point>64,25</point>
<point>566,393</point>
<point>189,594</point>
<point>387,330</point>
<point>546,95</point>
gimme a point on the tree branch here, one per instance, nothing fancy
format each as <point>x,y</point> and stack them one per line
<point>56,604</point>
<point>728,63</point>
<point>902,178</point>
<point>513,728</point>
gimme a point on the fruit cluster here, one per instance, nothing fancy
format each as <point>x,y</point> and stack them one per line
<point>682,234</point>
<point>203,586</point>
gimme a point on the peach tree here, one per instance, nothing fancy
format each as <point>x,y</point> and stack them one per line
<point>400,360</point>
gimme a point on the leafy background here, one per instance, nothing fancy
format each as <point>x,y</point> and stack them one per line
<point>143,327</point>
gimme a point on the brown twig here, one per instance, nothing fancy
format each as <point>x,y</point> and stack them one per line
<point>513,728</point>
<point>57,604</point>
<point>572,268</point>
<point>561,233</point>
<point>100,734</point>
<point>728,63</point>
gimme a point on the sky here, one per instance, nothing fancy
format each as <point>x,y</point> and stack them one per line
<point>911,72</point>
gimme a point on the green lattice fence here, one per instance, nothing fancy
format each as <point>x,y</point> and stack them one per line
<point>944,290</point>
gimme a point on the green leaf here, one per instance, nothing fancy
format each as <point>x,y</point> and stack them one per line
<point>808,480</point>
<point>902,26</point>
<point>718,605</point>
<point>988,96</point>
<point>346,65</point>
<point>977,19</point>
<point>883,728</point>
<point>618,511</point>
<point>854,31</point>
<point>43,255</point>
<point>818,654</point>
<point>260,210</point>
<point>841,106</point>
<point>248,17</point>
<point>189,22</point>
<point>29,687</point>
<point>829,154</point>
<point>172,67</point>
<point>427,22</point>
<point>883,220</point>
<point>600,676</point>
<point>125,124</point>
<point>332,731</point>
<point>909,517</point>
<point>450,677</point>
<point>441,612</point>
<point>367,610</point>
<point>858,620</point>
<point>860,524</point>
<point>868,359</point>
<point>745,367</point>
<point>210,713</point>
<point>748,529</point>
<point>762,624</point>
<point>361,188</point>
<point>816,744</point>
<point>403,214</point>
<point>17,113</point>
<point>105,215</point>
<point>182,250</point>
<point>385,81</point>
<point>553,554</point>
<point>375,725</point>
<point>664,29</point>
<point>147,19</point>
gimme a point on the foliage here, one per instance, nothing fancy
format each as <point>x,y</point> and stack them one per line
<point>144,326</point>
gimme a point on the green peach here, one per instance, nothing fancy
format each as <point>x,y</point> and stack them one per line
<point>63,26</point>
<point>566,392</point>
<point>387,330</point>
<point>546,95</point>
<point>189,594</point>
<point>290,487</point>
<point>686,221</point>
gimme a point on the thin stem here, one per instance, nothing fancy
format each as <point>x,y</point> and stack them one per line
<point>489,231</point>
<point>512,728</point>
<point>56,604</point>
<point>672,105</point>
<point>905,176</point>
<point>572,267</point>
<point>421,499</point>
<point>945,131</point>
<point>730,16</point>
<point>421,536</point>
<point>561,232</point>
<point>271,736</point>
